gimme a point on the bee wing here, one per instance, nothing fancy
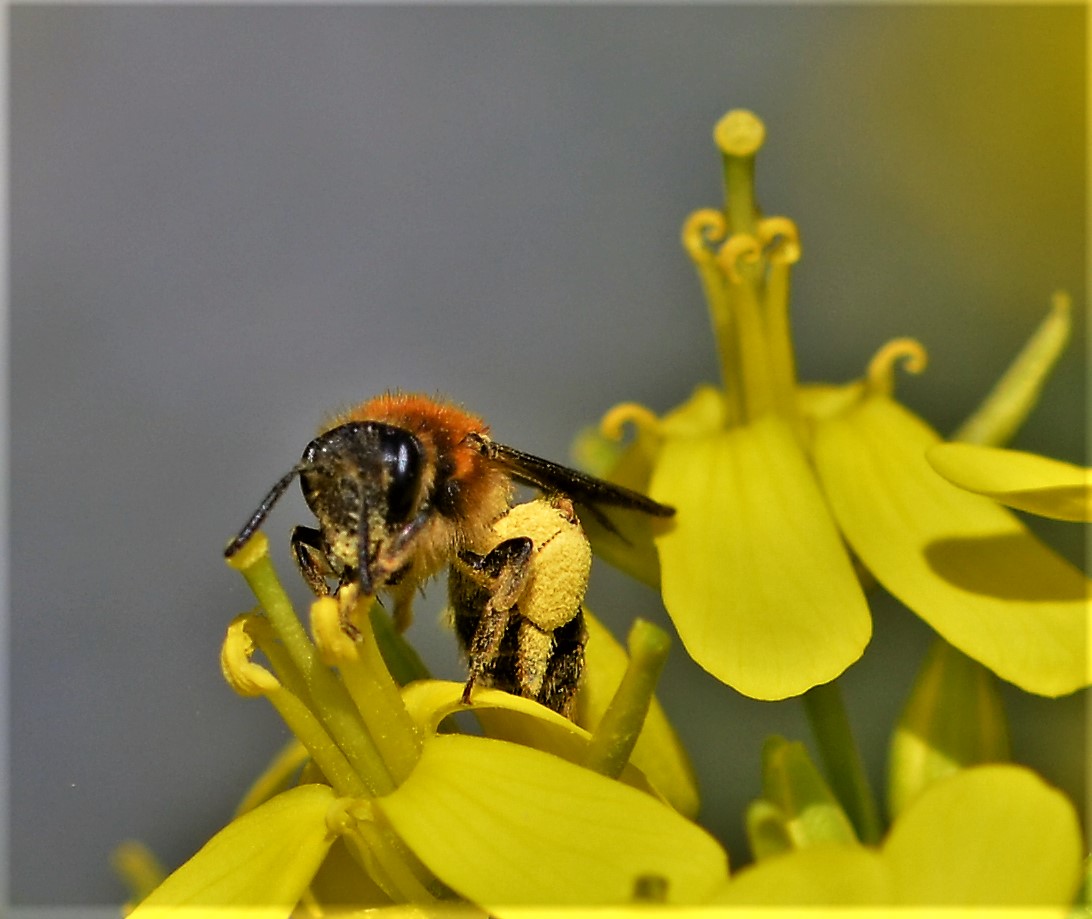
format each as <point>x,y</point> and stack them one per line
<point>582,488</point>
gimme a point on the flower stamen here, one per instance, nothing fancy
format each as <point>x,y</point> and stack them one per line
<point>702,231</point>
<point>615,420</point>
<point>740,247</point>
<point>364,673</point>
<point>880,376</point>
<point>242,674</point>
<point>780,240</point>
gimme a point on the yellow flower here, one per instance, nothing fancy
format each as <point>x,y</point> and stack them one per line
<point>986,836</point>
<point>772,480</point>
<point>390,810</point>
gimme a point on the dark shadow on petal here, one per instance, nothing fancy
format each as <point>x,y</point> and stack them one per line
<point>1012,566</point>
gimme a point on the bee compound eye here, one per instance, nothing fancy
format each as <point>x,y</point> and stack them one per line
<point>400,452</point>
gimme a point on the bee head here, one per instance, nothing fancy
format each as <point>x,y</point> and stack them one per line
<point>362,481</point>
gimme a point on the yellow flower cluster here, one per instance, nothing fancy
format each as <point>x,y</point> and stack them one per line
<point>792,501</point>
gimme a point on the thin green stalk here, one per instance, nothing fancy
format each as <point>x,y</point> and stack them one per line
<point>616,734</point>
<point>1012,398</point>
<point>842,759</point>
<point>326,754</point>
<point>739,135</point>
<point>377,698</point>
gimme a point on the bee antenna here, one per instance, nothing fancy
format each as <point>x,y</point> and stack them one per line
<point>262,512</point>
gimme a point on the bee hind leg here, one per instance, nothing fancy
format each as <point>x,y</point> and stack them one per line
<point>565,666</point>
<point>499,577</point>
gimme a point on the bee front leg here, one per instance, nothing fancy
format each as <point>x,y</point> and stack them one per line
<point>310,556</point>
<point>490,588</point>
<point>311,559</point>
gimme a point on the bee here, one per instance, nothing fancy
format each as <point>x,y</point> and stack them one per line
<point>404,485</point>
<point>517,609</point>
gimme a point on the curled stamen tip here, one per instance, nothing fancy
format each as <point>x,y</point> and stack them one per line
<point>881,369</point>
<point>739,133</point>
<point>241,673</point>
<point>739,247</point>
<point>616,419</point>
<point>702,229</point>
<point>781,240</point>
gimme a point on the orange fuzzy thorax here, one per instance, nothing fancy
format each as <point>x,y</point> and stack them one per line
<point>437,424</point>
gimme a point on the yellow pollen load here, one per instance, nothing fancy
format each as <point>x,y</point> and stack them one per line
<point>562,561</point>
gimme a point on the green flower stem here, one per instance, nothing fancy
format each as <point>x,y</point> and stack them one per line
<point>614,737</point>
<point>262,633</point>
<point>326,754</point>
<point>331,702</point>
<point>399,657</point>
<point>842,759</point>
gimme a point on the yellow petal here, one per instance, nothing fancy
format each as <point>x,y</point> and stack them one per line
<point>754,573</point>
<point>829,875</point>
<point>262,861</point>
<point>961,562</point>
<point>987,836</point>
<point>705,412</point>
<point>627,542</point>
<point>431,701</point>
<point>1025,481</point>
<point>658,753</point>
<point>504,825</point>
<point>504,716</point>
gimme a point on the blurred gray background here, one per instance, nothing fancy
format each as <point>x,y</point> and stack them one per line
<point>227,221</point>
